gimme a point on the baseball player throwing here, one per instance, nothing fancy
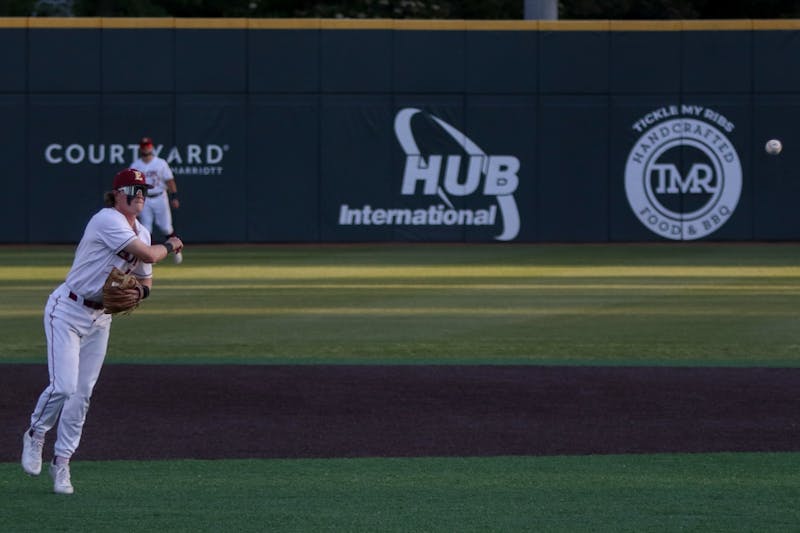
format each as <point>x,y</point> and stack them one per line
<point>158,207</point>
<point>76,326</point>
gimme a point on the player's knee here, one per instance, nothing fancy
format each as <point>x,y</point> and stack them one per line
<point>82,399</point>
<point>64,389</point>
<point>75,409</point>
<point>84,392</point>
<point>61,394</point>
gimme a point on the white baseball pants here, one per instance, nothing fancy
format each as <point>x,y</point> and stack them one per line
<point>77,338</point>
<point>157,209</point>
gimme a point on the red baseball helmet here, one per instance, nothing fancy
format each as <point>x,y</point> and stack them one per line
<point>145,142</point>
<point>130,176</point>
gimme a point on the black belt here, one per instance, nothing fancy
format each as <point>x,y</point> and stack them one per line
<point>155,194</point>
<point>88,303</point>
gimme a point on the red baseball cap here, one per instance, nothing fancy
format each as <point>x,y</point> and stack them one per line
<point>146,141</point>
<point>130,176</point>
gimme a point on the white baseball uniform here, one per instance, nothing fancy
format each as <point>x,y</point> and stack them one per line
<point>156,208</point>
<point>77,329</point>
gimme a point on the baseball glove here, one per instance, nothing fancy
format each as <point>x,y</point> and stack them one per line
<point>121,293</point>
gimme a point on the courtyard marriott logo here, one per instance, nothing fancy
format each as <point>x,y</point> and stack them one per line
<point>190,159</point>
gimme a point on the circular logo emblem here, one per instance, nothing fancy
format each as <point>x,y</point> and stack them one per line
<point>683,179</point>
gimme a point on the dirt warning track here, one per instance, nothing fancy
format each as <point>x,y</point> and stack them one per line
<point>238,411</point>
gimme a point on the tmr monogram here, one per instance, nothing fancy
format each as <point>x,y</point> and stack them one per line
<point>683,177</point>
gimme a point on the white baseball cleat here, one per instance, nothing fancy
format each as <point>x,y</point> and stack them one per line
<point>61,481</point>
<point>32,454</point>
<point>178,258</point>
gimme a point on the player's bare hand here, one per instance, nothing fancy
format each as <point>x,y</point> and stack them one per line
<point>177,244</point>
<point>175,203</point>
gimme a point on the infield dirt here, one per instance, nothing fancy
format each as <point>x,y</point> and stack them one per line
<point>273,411</point>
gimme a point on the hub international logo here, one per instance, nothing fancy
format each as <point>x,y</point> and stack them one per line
<point>683,177</point>
<point>441,179</point>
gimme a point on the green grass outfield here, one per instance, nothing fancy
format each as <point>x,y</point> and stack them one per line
<point>635,493</point>
<point>659,304</point>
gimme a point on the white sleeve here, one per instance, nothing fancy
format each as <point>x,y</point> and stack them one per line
<point>142,269</point>
<point>114,230</point>
<point>166,171</point>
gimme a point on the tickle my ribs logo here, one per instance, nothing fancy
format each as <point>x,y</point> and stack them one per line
<point>441,178</point>
<point>683,177</point>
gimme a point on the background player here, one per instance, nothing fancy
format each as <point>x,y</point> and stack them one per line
<point>158,207</point>
<point>76,327</point>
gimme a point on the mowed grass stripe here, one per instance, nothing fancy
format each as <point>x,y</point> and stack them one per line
<point>13,273</point>
<point>670,304</point>
<point>671,492</point>
<point>516,287</point>
<point>432,312</point>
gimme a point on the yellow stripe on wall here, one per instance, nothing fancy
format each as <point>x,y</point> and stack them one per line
<point>13,22</point>
<point>779,24</point>
<point>66,22</point>
<point>210,24</point>
<point>716,25</point>
<point>138,23</point>
<point>357,24</point>
<point>574,25</point>
<point>503,25</point>
<point>412,24</point>
<point>397,24</point>
<point>645,25</point>
<point>284,24</point>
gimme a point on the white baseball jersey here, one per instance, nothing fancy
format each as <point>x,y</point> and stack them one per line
<point>156,172</point>
<point>156,207</point>
<point>77,329</point>
<point>101,249</point>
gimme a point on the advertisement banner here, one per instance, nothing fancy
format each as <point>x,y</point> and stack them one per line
<point>209,162</point>
<point>283,168</point>
<point>389,131</point>
<point>684,175</point>
<point>418,175</point>
<point>13,201</point>
<point>65,150</point>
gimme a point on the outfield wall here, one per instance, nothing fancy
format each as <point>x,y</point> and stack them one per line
<point>377,130</point>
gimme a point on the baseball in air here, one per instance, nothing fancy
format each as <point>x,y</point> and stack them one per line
<point>773,147</point>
